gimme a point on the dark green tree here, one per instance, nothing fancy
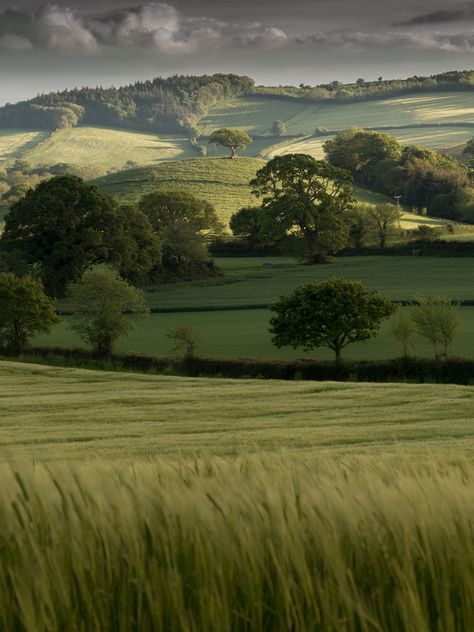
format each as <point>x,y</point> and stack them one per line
<point>309,196</point>
<point>333,314</point>
<point>25,311</point>
<point>253,225</point>
<point>62,227</point>
<point>386,219</point>
<point>102,304</point>
<point>233,139</point>
<point>183,223</point>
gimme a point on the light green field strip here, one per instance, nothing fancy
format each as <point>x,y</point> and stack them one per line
<point>14,143</point>
<point>108,148</point>
<point>257,114</point>
<point>50,413</point>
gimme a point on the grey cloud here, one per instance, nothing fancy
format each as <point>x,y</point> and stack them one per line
<point>442,16</point>
<point>156,26</point>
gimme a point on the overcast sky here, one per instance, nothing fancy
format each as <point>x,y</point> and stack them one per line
<point>46,46</point>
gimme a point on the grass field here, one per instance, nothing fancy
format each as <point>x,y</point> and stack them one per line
<point>257,114</point>
<point>108,148</point>
<point>246,282</point>
<point>224,183</point>
<point>14,143</point>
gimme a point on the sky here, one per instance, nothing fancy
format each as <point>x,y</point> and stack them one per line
<point>49,46</point>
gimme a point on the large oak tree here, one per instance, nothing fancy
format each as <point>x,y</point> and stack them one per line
<point>307,196</point>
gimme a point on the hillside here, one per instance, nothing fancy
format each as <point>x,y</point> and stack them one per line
<point>77,414</point>
<point>221,181</point>
<point>225,183</point>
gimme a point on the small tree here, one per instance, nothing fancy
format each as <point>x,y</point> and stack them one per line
<point>250,224</point>
<point>101,302</point>
<point>333,314</point>
<point>361,224</point>
<point>232,138</point>
<point>278,128</point>
<point>185,339</point>
<point>437,320</point>
<point>403,330</point>
<point>385,218</point>
<point>25,311</point>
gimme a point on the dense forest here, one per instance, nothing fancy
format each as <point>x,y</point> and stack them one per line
<point>168,105</point>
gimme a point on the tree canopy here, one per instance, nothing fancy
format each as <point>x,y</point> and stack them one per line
<point>333,314</point>
<point>101,304</point>
<point>65,225</point>
<point>25,310</point>
<point>182,221</point>
<point>309,196</point>
<point>232,138</point>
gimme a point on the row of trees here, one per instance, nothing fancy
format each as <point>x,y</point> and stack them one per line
<point>423,178</point>
<point>64,226</point>
<point>338,313</point>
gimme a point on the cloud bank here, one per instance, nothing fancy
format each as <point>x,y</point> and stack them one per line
<point>162,28</point>
<point>442,16</point>
<point>156,26</point>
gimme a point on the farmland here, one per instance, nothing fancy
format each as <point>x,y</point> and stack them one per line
<point>109,148</point>
<point>15,143</point>
<point>256,282</point>
<point>73,414</point>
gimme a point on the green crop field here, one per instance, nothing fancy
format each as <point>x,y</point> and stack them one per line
<point>252,283</point>
<point>108,148</point>
<point>51,413</point>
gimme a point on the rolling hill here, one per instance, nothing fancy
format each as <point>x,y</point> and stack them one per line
<point>225,183</point>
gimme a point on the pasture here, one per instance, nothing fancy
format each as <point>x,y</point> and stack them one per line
<point>108,148</point>
<point>15,143</point>
<point>224,183</point>
<point>258,282</point>
<point>256,114</point>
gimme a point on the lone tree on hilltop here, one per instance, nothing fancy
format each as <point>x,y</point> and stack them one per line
<point>232,138</point>
<point>333,314</point>
<point>25,311</point>
<point>310,197</point>
<point>101,304</point>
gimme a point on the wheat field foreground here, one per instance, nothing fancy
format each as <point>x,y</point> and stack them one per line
<point>49,413</point>
<point>255,544</point>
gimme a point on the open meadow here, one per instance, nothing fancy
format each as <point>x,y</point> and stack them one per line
<point>274,506</point>
<point>249,286</point>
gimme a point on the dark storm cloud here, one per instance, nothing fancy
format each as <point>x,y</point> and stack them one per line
<point>442,16</point>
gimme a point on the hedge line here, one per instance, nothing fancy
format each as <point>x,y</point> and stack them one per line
<point>417,370</point>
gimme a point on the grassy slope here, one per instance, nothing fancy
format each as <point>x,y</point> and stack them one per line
<point>257,114</point>
<point>62,414</point>
<point>108,148</point>
<point>221,181</point>
<point>14,143</point>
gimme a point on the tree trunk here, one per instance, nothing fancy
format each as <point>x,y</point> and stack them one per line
<point>338,352</point>
<point>234,153</point>
<point>314,254</point>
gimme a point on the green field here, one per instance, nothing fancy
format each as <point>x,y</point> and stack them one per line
<point>108,148</point>
<point>224,183</point>
<point>60,414</point>
<point>15,143</point>
<point>257,114</point>
<point>250,282</point>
